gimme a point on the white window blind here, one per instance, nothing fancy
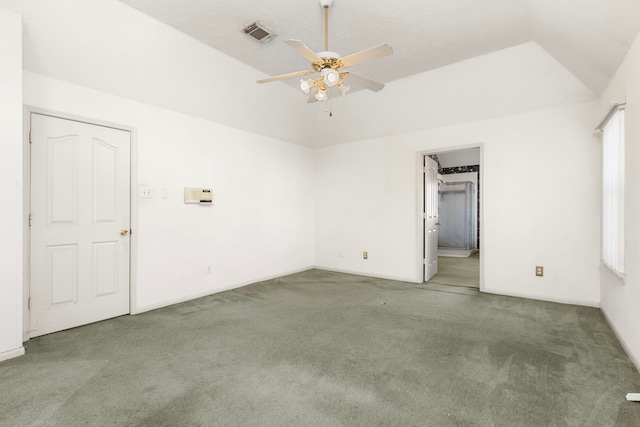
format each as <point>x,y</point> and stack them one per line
<point>613,191</point>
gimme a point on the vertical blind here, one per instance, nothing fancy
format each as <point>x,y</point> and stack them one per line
<point>613,192</point>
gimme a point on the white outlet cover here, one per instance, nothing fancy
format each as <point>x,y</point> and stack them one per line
<point>145,193</point>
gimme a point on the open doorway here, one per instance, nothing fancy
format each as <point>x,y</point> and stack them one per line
<point>458,218</point>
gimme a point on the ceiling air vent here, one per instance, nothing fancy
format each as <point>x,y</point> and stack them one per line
<point>259,32</point>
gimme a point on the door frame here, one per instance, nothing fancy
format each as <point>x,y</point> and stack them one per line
<point>420,204</point>
<point>26,203</point>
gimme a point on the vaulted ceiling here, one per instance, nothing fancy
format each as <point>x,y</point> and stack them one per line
<point>588,37</point>
<point>454,62</point>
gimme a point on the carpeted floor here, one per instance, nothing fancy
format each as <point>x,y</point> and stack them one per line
<point>329,349</point>
<point>458,271</point>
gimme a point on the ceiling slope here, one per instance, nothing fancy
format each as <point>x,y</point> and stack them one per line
<point>511,81</point>
<point>588,37</point>
<point>108,46</point>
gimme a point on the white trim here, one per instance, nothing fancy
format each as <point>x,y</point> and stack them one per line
<point>26,209</point>
<point>569,301</point>
<point>133,201</point>
<point>622,342</point>
<point>614,108</point>
<point>620,275</point>
<point>12,353</point>
<point>366,274</point>
<point>224,288</point>
<point>420,177</point>
<point>133,223</point>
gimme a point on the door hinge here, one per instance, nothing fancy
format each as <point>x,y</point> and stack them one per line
<point>29,220</point>
<point>424,261</point>
<point>424,216</point>
<point>29,303</point>
<point>424,169</point>
<point>30,137</point>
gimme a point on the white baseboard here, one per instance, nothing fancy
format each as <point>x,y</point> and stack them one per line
<point>367,274</point>
<point>12,353</point>
<point>229,287</point>
<point>570,301</point>
<point>622,342</point>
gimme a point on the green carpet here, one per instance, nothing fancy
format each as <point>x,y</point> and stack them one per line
<point>329,349</point>
<point>456,271</point>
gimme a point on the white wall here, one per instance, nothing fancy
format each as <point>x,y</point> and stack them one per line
<point>621,299</point>
<point>540,200</point>
<point>260,224</point>
<point>10,184</point>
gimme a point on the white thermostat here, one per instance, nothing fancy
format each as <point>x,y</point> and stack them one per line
<point>198,195</point>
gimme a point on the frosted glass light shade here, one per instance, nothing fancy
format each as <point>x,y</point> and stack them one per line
<point>322,94</point>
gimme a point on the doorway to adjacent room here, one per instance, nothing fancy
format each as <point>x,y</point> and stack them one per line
<point>452,218</point>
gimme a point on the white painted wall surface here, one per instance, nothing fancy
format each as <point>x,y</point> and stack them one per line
<point>260,224</point>
<point>540,203</point>
<point>621,299</point>
<point>11,147</point>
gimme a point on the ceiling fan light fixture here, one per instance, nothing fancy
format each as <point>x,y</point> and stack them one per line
<point>305,85</point>
<point>330,76</point>
<point>322,94</point>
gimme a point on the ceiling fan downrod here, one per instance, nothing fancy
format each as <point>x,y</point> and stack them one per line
<point>326,4</point>
<point>326,28</point>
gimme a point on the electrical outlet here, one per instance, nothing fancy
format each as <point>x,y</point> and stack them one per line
<point>145,192</point>
<point>539,270</point>
<point>209,269</point>
<point>365,255</point>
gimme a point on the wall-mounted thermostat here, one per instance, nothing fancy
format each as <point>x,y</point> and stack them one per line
<point>198,195</point>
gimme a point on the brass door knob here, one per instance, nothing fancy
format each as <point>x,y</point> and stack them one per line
<point>438,223</point>
<point>124,232</point>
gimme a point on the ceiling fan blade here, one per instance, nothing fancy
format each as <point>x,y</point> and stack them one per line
<point>366,55</point>
<point>286,76</point>
<point>312,95</point>
<point>304,50</point>
<point>362,81</point>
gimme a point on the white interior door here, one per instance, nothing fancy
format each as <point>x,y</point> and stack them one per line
<point>430,218</point>
<point>80,221</point>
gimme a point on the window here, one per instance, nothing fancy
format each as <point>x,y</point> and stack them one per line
<point>613,190</point>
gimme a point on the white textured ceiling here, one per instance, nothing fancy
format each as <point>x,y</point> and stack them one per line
<point>589,37</point>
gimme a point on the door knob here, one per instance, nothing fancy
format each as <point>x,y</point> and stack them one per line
<point>438,223</point>
<point>124,232</point>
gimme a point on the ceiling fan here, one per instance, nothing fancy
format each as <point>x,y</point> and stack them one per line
<point>331,66</point>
